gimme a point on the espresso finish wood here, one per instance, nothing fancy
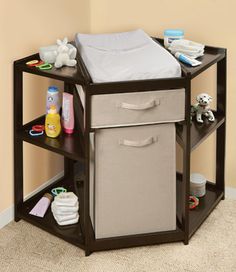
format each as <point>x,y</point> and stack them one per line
<point>76,150</point>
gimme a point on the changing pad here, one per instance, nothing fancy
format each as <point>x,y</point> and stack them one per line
<point>125,56</point>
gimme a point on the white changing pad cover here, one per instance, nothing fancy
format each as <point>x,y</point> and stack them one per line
<point>125,56</point>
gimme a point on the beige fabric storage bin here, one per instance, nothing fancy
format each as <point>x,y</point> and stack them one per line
<point>133,180</point>
<point>137,108</point>
<point>126,109</point>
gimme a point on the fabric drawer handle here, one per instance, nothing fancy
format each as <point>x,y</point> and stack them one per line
<point>144,106</point>
<point>141,143</point>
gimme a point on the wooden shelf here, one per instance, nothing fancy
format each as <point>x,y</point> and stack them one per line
<point>72,234</point>
<point>68,74</point>
<point>199,132</point>
<point>211,56</point>
<point>206,205</point>
<point>66,145</point>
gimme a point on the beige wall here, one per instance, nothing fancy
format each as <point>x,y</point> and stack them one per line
<point>26,25</point>
<point>23,30</point>
<point>207,21</point>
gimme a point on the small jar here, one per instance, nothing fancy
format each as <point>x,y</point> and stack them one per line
<point>172,34</point>
<point>197,185</point>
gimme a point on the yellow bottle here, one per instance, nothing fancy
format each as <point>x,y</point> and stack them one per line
<point>52,123</point>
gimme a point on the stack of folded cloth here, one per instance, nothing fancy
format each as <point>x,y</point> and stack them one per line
<point>65,208</point>
<point>188,48</point>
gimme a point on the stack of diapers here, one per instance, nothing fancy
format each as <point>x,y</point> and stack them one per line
<point>188,48</point>
<point>125,56</point>
<point>65,209</point>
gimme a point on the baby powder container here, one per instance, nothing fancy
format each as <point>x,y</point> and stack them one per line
<point>171,35</point>
<point>53,98</point>
<point>197,185</point>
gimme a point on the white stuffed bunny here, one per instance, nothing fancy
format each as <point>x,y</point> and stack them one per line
<point>63,54</point>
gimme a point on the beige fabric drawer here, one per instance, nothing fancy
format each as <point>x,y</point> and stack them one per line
<point>133,180</point>
<point>137,108</point>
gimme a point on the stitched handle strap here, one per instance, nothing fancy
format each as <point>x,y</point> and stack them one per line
<point>141,143</point>
<point>144,106</point>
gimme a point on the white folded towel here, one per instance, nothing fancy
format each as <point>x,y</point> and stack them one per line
<point>189,48</point>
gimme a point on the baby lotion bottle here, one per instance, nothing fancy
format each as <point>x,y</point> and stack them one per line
<point>68,113</point>
<point>52,123</point>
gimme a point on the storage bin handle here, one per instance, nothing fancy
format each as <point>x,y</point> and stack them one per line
<point>142,143</point>
<point>144,106</point>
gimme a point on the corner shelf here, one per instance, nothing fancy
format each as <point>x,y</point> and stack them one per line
<point>66,145</point>
<point>206,205</point>
<point>72,234</point>
<point>199,132</point>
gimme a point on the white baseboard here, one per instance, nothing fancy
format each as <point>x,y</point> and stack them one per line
<point>230,192</point>
<point>7,215</point>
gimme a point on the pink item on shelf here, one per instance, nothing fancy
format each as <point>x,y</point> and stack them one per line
<point>41,207</point>
<point>68,113</point>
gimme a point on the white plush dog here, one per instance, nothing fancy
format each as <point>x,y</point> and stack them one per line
<point>63,54</point>
<point>202,108</point>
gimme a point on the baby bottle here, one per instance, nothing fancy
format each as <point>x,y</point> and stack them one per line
<point>53,98</point>
<point>52,123</point>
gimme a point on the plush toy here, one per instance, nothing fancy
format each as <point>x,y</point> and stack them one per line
<point>64,54</point>
<point>202,108</point>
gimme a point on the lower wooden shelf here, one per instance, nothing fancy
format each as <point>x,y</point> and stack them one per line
<point>206,205</point>
<point>72,234</point>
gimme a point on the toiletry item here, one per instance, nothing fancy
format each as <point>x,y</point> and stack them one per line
<point>53,98</point>
<point>52,123</point>
<point>197,185</point>
<point>172,34</point>
<point>188,48</point>
<point>187,60</point>
<point>58,190</point>
<point>41,207</point>
<point>68,113</point>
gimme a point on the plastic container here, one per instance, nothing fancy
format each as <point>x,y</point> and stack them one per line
<point>197,185</point>
<point>68,113</point>
<point>53,98</point>
<point>49,53</point>
<point>171,35</point>
<point>52,123</point>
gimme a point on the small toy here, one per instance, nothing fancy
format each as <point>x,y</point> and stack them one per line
<point>202,108</point>
<point>63,54</point>
<point>193,202</point>
<point>56,191</point>
<point>33,63</point>
<point>37,130</point>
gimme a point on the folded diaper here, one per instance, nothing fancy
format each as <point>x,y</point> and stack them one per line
<point>65,208</point>
<point>64,218</point>
<point>68,222</point>
<point>66,199</point>
<point>189,48</point>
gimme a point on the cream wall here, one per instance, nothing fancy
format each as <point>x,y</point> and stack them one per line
<point>26,25</point>
<point>207,21</point>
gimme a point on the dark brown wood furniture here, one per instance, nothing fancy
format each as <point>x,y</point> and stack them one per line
<point>75,148</point>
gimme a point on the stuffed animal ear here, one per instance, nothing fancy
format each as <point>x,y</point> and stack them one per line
<point>210,98</point>
<point>65,41</point>
<point>198,98</point>
<point>59,42</point>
